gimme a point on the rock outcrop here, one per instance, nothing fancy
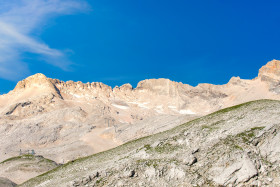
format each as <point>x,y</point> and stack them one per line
<point>270,73</point>
<point>37,81</point>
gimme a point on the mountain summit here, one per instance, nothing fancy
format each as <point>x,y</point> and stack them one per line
<point>271,69</point>
<point>39,84</point>
<point>38,79</point>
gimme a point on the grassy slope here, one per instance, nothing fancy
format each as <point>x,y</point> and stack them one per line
<point>27,158</point>
<point>70,170</point>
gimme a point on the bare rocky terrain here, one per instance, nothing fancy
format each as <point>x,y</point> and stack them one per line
<point>237,146</point>
<point>64,121</point>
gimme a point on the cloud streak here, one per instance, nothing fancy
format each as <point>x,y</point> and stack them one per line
<point>19,19</point>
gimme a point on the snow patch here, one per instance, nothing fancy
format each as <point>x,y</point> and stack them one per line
<point>75,95</point>
<point>172,107</point>
<point>142,105</point>
<point>159,109</point>
<point>120,106</point>
<point>160,106</point>
<point>186,112</point>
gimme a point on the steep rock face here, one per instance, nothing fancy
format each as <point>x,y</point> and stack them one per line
<point>79,89</point>
<point>270,70</point>
<point>124,92</point>
<point>270,73</point>
<point>125,88</point>
<point>159,87</point>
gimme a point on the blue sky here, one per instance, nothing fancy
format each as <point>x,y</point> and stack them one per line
<point>124,41</point>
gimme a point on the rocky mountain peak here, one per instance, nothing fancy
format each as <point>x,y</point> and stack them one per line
<point>158,86</point>
<point>270,71</point>
<point>155,82</point>
<point>127,86</point>
<point>37,79</point>
<point>37,82</point>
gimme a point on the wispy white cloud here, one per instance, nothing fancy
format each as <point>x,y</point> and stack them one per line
<point>19,19</point>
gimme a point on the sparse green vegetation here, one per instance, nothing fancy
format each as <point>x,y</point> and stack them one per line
<point>148,162</point>
<point>161,148</point>
<point>231,142</point>
<point>26,157</point>
<point>257,128</point>
<point>237,147</point>
<point>225,110</point>
<point>265,161</point>
<point>146,142</point>
<point>100,182</point>
<point>147,147</point>
<point>29,157</point>
<point>210,128</point>
<point>213,126</point>
<point>167,147</point>
<point>240,117</point>
<point>218,122</point>
<point>248,135</point>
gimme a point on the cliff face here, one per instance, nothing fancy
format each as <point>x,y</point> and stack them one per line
<point>270,73</point>
<point>66,120</point>
<point>271,70</point>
